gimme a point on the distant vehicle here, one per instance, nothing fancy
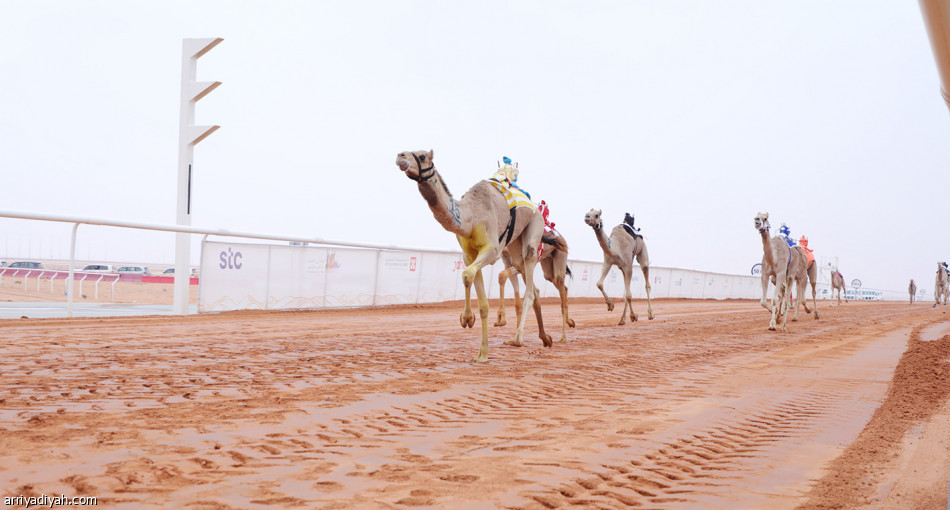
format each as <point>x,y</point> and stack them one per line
<point>26,265</point>
<point>171,272</point>
<point>98,268</point>
<point>3,264</point>
<point>142,270</point>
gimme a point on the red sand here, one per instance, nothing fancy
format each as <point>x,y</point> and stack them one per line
<point>382,408</point>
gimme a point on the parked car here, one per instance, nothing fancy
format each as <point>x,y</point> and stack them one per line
<point>26,265</point>
<point>171,272</point>
<point>98,268</point>
<point>142,270</point>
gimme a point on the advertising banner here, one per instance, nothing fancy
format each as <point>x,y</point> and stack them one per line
<point>238,276</point>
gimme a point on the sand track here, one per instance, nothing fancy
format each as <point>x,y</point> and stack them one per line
<point>381,408</point>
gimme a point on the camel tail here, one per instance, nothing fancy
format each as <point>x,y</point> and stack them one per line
<point>557,242</point>
<point>567,269</point>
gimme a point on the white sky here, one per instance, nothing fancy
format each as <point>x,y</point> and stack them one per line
<point>692,115</point>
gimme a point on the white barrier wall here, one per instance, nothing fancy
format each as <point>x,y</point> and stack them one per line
<point>237,276</point>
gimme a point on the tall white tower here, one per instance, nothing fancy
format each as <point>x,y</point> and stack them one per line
<point>188,136</point>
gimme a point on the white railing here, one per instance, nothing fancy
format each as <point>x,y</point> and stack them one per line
<point>78,220</point>
<point>384,262</point>
<point>54,274</point>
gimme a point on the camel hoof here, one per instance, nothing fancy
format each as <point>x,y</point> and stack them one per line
<point>633,317</point>
<point>650,316</point>
<point>515,343</point>
<point>771,327</point>
<point>547,340</point>
<point>816,314</point>
<point>500,323</point>
<point>563,340</point>
<point>480,359</point>
<point>610,306</point>
<point>622,322</point>
<point>570,323</point>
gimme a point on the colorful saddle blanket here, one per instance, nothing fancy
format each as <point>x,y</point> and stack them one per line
<point>515,196</point>
<point>808,254</point>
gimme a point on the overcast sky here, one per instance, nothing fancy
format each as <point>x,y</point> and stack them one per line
<point>692,115</point>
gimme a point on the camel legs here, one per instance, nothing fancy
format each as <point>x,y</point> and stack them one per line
<point>557,278</point>
<point>787,305</point>
<point>765,292</point>
<point>483,314</point>
<point>600,285</point>
<point>530,299</point>
<point>798,298</point>
<point>813,280</point>
<point>646,286</point>
<point>473,274</point>
<point>786,302</point>
<point>777,298</point>
<point>509,273</point>
<point>467,319</point>
<point>565,321</point>
<point>627,299</point>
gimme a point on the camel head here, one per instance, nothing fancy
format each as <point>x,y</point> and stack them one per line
<point>592,218</point>
<point>417,165</point>
<point>762,222</point>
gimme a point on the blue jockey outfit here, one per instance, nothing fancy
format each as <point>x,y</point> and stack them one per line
<point>786,233</point>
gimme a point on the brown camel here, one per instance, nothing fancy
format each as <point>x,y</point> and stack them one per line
<point>782,265</point>
<point>619,250</point>
<point>837,284</point>
<point>811,269</point>
<point>941,285</point>
<point>912,290</point>
<point>554,265</point>
<point>484,227</point>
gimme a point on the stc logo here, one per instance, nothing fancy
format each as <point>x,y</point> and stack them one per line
<point>231,260</point>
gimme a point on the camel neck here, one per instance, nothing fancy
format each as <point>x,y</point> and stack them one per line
<point>602,238</point>
<point>445,209</point>
<point>767,248</point>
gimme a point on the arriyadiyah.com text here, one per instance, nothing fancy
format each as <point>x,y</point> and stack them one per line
<point>44,501</point>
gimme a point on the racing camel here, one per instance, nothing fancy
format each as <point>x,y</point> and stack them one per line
<point>620,249</point>
<point>782,265</point>
<point>484,227</point>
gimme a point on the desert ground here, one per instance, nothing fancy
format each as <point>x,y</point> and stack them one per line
<point>702,407</point>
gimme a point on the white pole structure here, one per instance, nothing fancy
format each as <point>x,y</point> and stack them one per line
<point>69,277</point>
<point>189,136</point>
